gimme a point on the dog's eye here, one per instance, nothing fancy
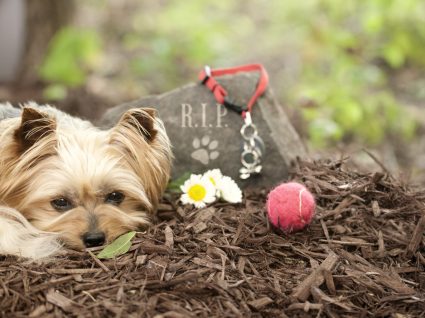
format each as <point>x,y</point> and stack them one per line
<point>61,204</point>
<point>115,197</point>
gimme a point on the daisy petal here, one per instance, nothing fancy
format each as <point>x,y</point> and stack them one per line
<point>229,190</point>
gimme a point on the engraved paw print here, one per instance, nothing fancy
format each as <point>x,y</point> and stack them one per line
<point>205,149</point>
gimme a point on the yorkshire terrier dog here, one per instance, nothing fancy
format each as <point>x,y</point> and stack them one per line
<point>65,182</point>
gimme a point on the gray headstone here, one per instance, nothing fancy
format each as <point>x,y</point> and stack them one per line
<point>206,135</point>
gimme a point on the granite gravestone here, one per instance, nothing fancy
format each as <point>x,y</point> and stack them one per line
<point>206,135</point>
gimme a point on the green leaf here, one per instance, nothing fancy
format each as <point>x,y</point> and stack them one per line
<point>118,247</point>
<point>175,185</point>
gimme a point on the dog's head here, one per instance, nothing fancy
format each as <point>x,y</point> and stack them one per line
<point>86,184</point>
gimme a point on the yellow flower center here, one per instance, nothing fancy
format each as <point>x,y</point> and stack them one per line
<point>197,192</point>
<point>212,181</point>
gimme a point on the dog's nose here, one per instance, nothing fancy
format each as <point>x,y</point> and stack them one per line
<point>91,239</point>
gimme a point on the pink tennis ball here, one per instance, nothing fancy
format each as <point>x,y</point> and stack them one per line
<point>290,207</point>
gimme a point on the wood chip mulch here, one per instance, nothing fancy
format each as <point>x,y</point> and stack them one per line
<point>363,256</point>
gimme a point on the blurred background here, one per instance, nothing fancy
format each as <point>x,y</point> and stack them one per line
<point>350,74</point>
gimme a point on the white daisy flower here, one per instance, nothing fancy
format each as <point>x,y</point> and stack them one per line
<point>214,176</point>
<point>229,190</point>
<point>198,191</point>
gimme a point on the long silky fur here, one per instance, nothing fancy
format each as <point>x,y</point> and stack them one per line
<point>18,237</point>
<point>147,164</point>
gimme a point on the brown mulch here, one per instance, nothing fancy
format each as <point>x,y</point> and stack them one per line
<point>362,256</point>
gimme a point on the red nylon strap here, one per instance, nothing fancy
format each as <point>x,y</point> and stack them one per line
<point>206,76</point>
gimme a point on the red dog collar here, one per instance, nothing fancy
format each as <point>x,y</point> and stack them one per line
<point>253,146</point>
<point>206,76</point>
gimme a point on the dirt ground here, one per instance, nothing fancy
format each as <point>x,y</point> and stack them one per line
<point>363,256</point>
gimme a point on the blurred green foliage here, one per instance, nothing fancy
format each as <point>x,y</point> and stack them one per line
<point>351,50</point>
<point>72,53</point>
<point>332,60</point>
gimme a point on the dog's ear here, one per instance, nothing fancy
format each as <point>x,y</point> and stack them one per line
<point>143,119</point>
<point>35,125</point>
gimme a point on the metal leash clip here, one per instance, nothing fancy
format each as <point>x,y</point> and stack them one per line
<point>253,149</point>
